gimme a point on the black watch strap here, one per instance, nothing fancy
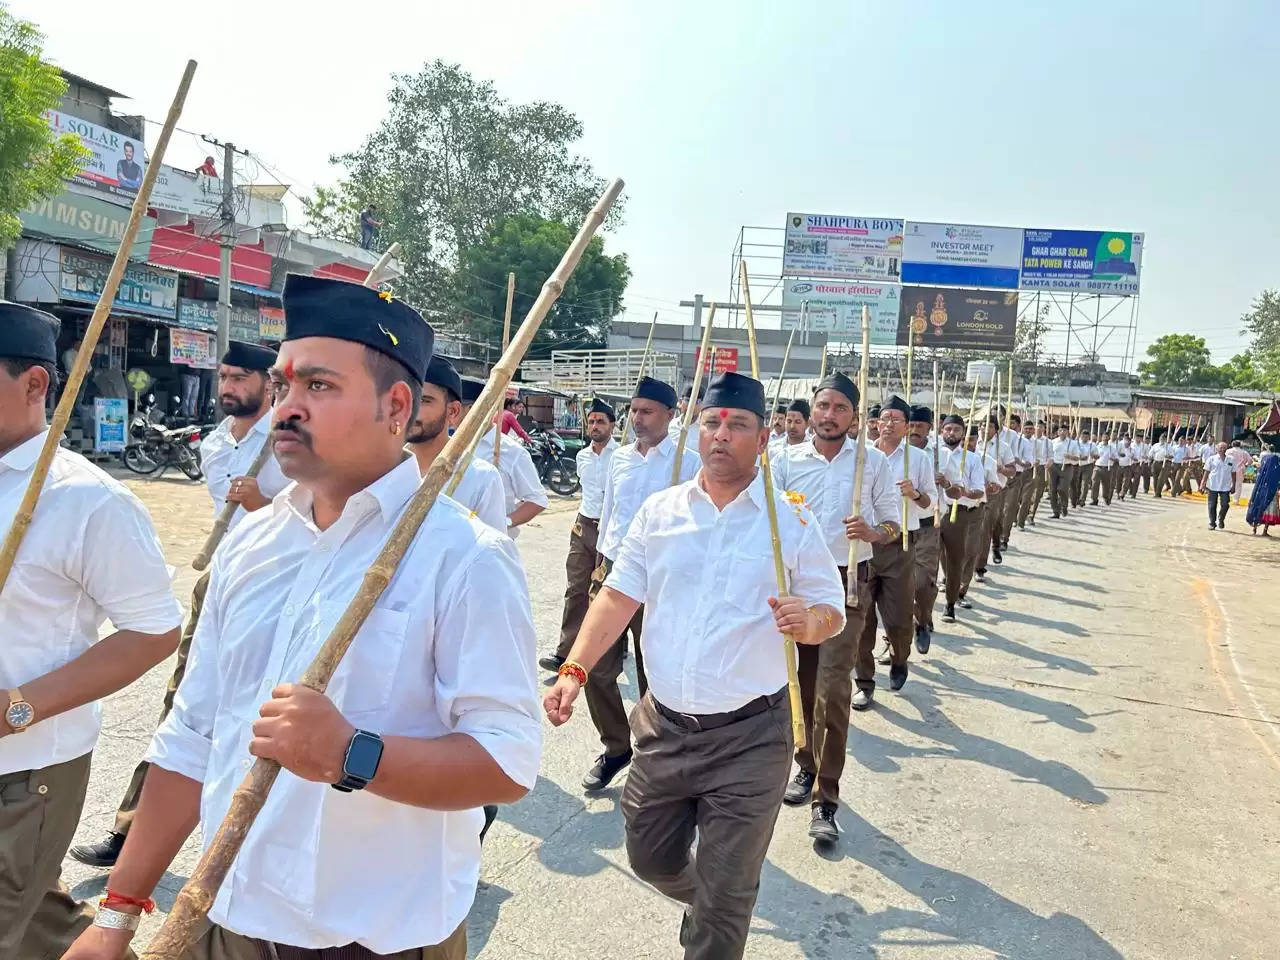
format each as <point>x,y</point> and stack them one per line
<point>360,763</point>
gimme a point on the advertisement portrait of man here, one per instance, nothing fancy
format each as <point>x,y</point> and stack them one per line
<point>128,171</point>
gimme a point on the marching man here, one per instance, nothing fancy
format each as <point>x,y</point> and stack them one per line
<point>713,734</point>
<point>431,714</point>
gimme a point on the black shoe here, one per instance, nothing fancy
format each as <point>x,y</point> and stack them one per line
<point>604,770</point>
<point>552,662</point>
<point>980,576</point>
<point>997,556</point>
<point>1004,544</point>
<point>799,789</point>
<point>490,815</point>
<point>1212,527</point>
<point>923,639</point>
<point>101,854</point>
<point>823,825</point>
<point>897,676</point>
<point>964,602</point>
<point>949,615</point>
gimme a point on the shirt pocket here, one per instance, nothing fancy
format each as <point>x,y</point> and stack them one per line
<point>751,582</point>
<point>363,682</point>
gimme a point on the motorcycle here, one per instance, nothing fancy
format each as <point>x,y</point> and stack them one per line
<point>555,468</point>
<point>153,447</point>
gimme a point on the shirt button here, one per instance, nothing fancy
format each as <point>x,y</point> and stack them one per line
<point>288,610</point>
<point>325,548</point>
<point>42,789</point>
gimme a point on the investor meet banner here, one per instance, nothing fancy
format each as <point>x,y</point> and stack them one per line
<point>855,248</point>
<point>1081,261</point>
<point>942,317</point>
<point>961,255</point>
<point>835,307</point>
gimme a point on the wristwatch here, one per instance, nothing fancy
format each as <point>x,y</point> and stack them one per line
<point>20,714</point>
<point>360,764</point>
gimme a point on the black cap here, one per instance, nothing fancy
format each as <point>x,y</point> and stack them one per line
<point>599,406</point>
<point>897,403</point>
<point>249,356</point>
<point>841,383</point>
<point>780,409</point>
<point>650,389</point>
<point>734,390</point>
<point>874,410</point>
<point>471,390</point>
<point>801,407</point>
<point>687,392</point>
<point>974,431</point>
<point>953,418</point>
<point>920,415</point>
<point>320,307</point>
<point>27,333</point>
<point>443,374</point>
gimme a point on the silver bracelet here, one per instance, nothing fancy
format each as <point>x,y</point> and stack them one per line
<point>110,919</point>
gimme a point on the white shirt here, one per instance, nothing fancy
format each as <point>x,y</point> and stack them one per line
<point>1180,453</point>
<point>223,458</point>
<point>1106,453</point>
<point>449,648</point>
<point>1206,452</point>
<point>1239,458</point>
<point>1124,453</point>
<point>633,477</point>
<point>1043,447</point>
<point>593,470</point>
<point>1221,474</point>
<point>520,480</point>
<point>705,577</point>
<point>691,433</point>
<point>964,469</point>
<point>481,491</point>
<point>1160,452</point>
<point>90,555</point>
<point>920,464</point>
<point>827,487</point>
<point>1003,459</point>
<point>1062,450</point>
<point>1011,440</point>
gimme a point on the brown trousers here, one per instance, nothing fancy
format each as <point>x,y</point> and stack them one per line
<point>218,943</point>
<point>1104,482</point>
<point>954,539</point>
<point>889,584</point>
<point>826,689</point>
<point>1080,484</point>
<point>1140,474</point>
<point>129,805</point>
<point>994,517</point>
<point>1061,476</point>
<point>577,592</point>
<point>926,552</point>
<point>723,786</point>
<point>1012,503</point>
<point>974,543</point>
<point>1121,478</point>
<point>1146,477</point>
<point>604,700</point>
<point>1032,488</point>
<point>39,811</point>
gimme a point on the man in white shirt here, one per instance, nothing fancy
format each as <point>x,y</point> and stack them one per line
<point>798,414</point>
<point>1042,445</point>
<point>890,580</point>
<point>1161,454</point>
<point>980,540</point>
<point>1085,456</point>
<point>682,413</point>
<point>1002,458</point>
<point>593,467</point>
<point>713,734</point>
<point>926,551</point>
<point>778,427</point>
<point>1180,458</point>
<point>1240,459</point>
<point>636,471</point>
<point>525,495</point>
<point>1143,471</point>
<point>1198,455</point>
<point>226,456</point>
<point>439,677</point>
<point>1103,467</point>
<point>1122,449</point>
<point>90,555</point>
<point>821,472</point>
<point>1011,442</point>
<point>961,482</point>
<point>1065,453</point>
<point>480,488</point>
<point>1027,453</point>
<point>1220,481</point>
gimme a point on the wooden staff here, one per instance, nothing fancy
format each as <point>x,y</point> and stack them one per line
<point>186,920</point>
<point>964,446</point>
<point>859,462</point>
<point>228,512</point>
<point>506,342</point>
<point>469,453</point>
<point>644,361</point>
<point>780,573</point>
<point>75,376</point>
<point>991,394</point>
<point>937,438</point>
<point>906,441</point>
<point>703,360</point>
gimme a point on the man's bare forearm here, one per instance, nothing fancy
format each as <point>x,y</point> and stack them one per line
<point>168,811</point>
<point>606,618</point>
<point>524,512</point>
<point>453,772</point>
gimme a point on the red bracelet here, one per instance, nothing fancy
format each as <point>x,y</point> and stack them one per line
<point>571,668</point>
<point>113,899</point>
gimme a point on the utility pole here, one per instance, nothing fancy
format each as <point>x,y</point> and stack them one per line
<point>228,241</point>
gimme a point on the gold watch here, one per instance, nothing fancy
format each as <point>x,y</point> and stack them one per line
<point>20,713</point>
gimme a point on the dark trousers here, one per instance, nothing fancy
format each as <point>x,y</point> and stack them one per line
<point>1162,470</point>
<point>129,805</point>
<point>218,943</point>
<point>1012,504</point>
<point>1139,475</point>
<point>975,543</point>
<point>826,688</point>
<point>889,584</point>
<point>723,786</point>
<point>995,518</point>
<point>1060,478</point>
<point>1103,482</point>
<point>577,592</point>
<point>925,554</point>
<point>954,541</point>
<point>1032,487</point>
<point>1221,501</point>
<point>1146,476</point>
<point>1080,483</point>
<point>604,700</point>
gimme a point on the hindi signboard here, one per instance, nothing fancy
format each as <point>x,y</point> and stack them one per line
<point>961,255</point>
<point>1081,261</point>
<point>271,323</point>
<point>970,319</point>
<point>198,314</point>
<point>182,192</point>
<point>726,359</point>
<point>835,306</point>
<point>143,289</point>
<point>192,348</point>
<point>820,245</point>
<point>115,161</point>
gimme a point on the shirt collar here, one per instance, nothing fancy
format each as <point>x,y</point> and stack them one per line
<point>388,494</point>
<point>754,490</point>
<point>24,456</point>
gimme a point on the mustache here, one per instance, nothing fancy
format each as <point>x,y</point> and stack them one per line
<point>291,426</point>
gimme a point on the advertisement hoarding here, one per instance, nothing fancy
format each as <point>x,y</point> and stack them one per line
<point>726,359</point>
<point>192,348</point>
<point>198,314</point>
<point>87,221</point>
<point>143,289</point>
<point>1081,261</point>
<point>115,161</point>
<point>970,319</point>
<point>271,323</point>
<point>961,255</point>
<point>835,307</point>
<point>182,192</point>
<point>821,245</point>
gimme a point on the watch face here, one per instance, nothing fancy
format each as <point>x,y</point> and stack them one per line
<point>363,755</point>
<point>19,715</point>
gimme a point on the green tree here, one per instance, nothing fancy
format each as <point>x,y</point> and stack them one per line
<point>531,246</point>
<point>1263,321</point>
<point>1179,360</point>
<point>33,162</point>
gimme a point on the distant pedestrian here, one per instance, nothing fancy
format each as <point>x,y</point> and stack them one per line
<point>207,168</point>
<point>368,224</point>
<point>1220,478</point>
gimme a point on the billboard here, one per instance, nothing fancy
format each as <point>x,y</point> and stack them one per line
<point>970,319</point>
<point>819,245</point>
<point>726,359</point>
<point>115,160</point>
<point>961,255</point>
<point>183,192</point>
<point>198,314</point>
<point>1081,261</point>
<point>109,416</point>
<point>192,349</point>
<point>86,221</point>
<point>835,306</point>
<point>143,288</point>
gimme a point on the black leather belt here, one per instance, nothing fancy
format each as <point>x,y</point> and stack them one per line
<point>698,722</point>
<point>926,522</point>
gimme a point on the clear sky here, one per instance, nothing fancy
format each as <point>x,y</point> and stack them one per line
<point>1155,116</point>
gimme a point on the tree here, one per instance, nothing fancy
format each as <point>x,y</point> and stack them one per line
<point>1263,321</point>
<point>531,246</point>
<point>1178,360</point>
<point>33,162</point>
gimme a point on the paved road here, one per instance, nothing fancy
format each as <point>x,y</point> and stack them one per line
<point>1088,766</point>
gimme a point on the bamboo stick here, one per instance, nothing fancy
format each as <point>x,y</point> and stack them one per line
<point>906,443</point>
<point>851,599</point>
<point>964,447</point>
<point>75,376</point>
<point>374,277</point>
<point>506,342</point>
<point>937,438</point>
<point>469,453</point>
<point>186,920</point>
<point>644,362</point>
<point>780,573</point>
<point>703,361</point>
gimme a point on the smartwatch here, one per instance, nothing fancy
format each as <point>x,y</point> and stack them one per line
<point>360,764</point>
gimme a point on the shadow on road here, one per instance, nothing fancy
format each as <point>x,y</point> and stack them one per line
<point>955,643</point>
<point>1066,715</point>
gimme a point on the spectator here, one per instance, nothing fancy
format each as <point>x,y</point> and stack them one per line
<point>512,410</point>
<point>207,168</point>
<point>368,224</point>
<point>1220,479</point>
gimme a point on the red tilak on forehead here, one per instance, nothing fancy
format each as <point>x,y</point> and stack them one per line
<point>724,414</point>
<point>288,369</point>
